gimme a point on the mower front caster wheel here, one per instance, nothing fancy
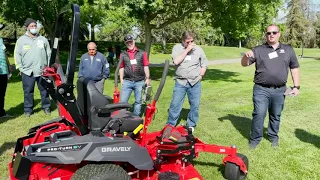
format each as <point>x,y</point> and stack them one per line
<point>101,172</point>
<point>233,172</point>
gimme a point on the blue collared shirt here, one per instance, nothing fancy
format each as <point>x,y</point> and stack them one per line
<point>96,68</point>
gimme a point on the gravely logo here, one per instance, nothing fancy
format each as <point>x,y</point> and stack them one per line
<point>115,149</point>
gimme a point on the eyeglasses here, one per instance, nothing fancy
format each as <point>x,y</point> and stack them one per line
<point>273,32</point>
<point>187,42</point>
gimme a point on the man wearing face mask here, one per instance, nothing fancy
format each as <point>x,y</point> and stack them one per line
<point>191,64</point>
<point>273,60</point>
<point>31,54</point>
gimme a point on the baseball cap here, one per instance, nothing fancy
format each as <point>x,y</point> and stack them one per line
<point>29,21</point>
<point>128,37</point>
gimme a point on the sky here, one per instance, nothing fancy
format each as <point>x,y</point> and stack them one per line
<point>283,13</point>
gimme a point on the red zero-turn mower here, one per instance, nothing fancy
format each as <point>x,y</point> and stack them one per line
<point>96,139</point>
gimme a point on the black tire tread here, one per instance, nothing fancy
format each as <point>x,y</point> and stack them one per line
<point>101,172</point>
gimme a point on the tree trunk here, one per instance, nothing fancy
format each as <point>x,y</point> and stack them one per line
<point>239,43</point>
<point>164,42</point>
<point>15,31</point>
<point>147,37</point>
<point>92,33</point>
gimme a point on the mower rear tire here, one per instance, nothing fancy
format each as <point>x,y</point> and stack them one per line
<point>233,172</point>
<point>101,172</point>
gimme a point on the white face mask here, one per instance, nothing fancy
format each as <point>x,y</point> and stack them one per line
<point>33,31</point>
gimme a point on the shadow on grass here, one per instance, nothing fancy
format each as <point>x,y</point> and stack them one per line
<point>307,137</point>
<point>221,167</point>
<point>15,78</point>
<point>211,75</point>
<point>183,115</point>
<point>5,146</point>
<point>242,124</point>
<point>19,110</point>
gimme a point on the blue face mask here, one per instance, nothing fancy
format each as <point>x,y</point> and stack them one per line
<point>33,31</point>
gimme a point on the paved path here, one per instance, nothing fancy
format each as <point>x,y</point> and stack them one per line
<point>213,62</point>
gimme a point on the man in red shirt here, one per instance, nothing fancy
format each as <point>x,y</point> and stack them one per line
<point>134,73</point>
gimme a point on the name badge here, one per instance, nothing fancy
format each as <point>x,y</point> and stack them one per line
<point>133,61</point>
<point>273,55</point>
<point>26,47</point>
<point>187,58</point>
<point>99,60</point>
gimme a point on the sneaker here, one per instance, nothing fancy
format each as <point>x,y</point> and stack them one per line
<point>274,144</point>
<point>252,146</point>
<point>27,114</point>
<point>6,116</point>
<point>47,111</point>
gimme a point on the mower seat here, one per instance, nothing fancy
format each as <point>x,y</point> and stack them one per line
<point>98,109</point>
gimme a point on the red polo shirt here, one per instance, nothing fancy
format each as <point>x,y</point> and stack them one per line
<point>131,54</point>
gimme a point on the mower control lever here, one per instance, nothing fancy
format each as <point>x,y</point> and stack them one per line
<point>113,107</point>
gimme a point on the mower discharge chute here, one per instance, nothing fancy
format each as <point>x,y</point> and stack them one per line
<point>96,139</point>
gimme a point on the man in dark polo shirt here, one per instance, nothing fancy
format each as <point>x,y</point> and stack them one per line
<point>272,61</point>
<point>134,73</point>
<point>191,64</point>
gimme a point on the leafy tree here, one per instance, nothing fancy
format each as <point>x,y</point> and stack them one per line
<point>196,22</point>
<point>116,24</point>
<point>243,18</point>
<point>46,11</point>
<point>296,22</point>
<point>157,14</point>
<point>92,13</point>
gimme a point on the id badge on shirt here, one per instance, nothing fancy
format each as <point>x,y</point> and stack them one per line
<point>133,61</point>
<point>187,58</point>
<point>273,55</point>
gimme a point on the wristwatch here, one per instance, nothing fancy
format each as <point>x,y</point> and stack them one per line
<point>298,87</point>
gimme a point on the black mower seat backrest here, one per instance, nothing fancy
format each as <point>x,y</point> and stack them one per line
<point>82,97</point>
<point>94,107</point>
<point>89,99</point>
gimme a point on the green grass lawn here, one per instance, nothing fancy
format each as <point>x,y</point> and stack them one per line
<point>225,119</point>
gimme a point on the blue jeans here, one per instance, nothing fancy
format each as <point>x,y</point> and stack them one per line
<point>271,99</point>
<point>179,93</point>
<point>126,90</point>
<point>28,83</point>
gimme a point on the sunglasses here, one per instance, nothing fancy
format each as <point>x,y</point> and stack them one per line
<point>273,32</point>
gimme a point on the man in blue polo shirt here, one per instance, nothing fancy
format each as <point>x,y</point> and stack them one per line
<point>94,65</point>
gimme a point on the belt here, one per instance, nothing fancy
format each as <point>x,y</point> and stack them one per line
<point>271,86</point>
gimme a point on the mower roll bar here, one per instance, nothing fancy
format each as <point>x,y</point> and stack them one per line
<point>151,108</point>
<point>63,92</point>
<point>73,44</point>
<point>163,79</point>
<point>55,41</point>
<point>116,73</point>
